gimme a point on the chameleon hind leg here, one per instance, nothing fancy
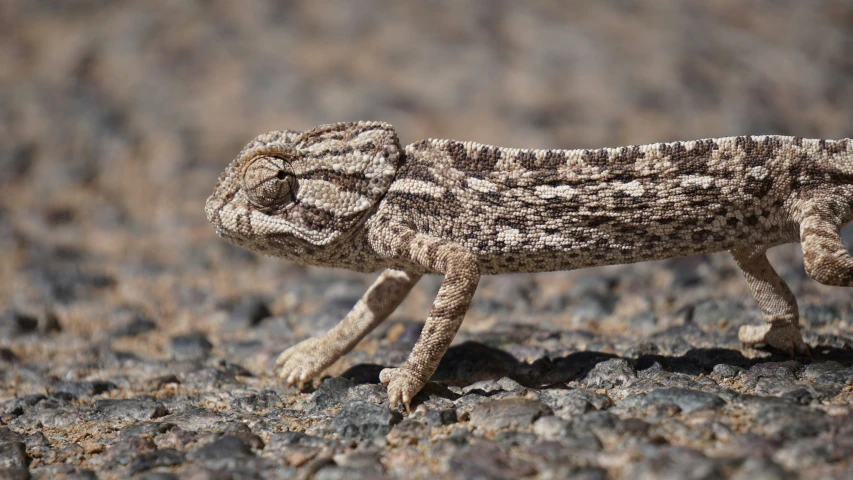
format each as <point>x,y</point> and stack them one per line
<point>826,258</point>
<point>781,330</point>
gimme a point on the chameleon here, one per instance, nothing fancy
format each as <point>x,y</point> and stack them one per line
<point>347,195</point>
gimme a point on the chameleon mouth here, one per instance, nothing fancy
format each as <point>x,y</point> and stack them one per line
<point>214,208</point>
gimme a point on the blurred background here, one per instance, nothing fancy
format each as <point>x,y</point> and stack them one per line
<point>116,117</point>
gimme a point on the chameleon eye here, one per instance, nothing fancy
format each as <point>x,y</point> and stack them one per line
<point>268,181</point>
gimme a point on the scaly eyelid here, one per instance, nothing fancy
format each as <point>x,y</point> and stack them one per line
<point>268,181</point>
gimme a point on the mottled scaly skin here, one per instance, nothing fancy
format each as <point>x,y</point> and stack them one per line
<point>346,195</point>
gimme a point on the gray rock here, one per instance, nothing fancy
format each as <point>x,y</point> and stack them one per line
<point>332,393</point>
<point>358,464</point>
<point>8,356</point>
<point>527,353</point>
<point>225,446</point>
<point>589,309</point>
<point>756,403</point>
<point>209,377</point>
<point>687,400</point>
<point>191,346</point>
<point>167,457</point>
<point>241,431</point>
<point>338,299</point>
<point>408,431</point>
<point>126,450</point>
<point>760,468</point>
<point>335,472</point>
<point>562,370</point>
<point>646,321</point>
<point>51,412</point>
<point>154,476</point>
<point>550,427</point>
<point>813,371</point>
<point>507,294</point>
<point>508,439</point>
<point>551,458</point>
<point>485,460</point>
<point>816,316</point>
<point>437,396</point>
<point>377,393</point>
<point>775,370</point>
<point>802,393</point>
<point>609,374</point>
<point>468,402</point>
<point>146,429</point>
<point>82,475</point>
<point>567,403</point>
<point>85,389</point>
<point>62,396</point>
<point>280,441</point>
<point>507,413</point>
<point>194,418</point>
<point>19,405</point>
<point>573,472</point>
<point>364,421</point>
<point>249,312</point>
<point>257,402</point>
<point>686,271</point>
<point>8,436</point>
<point>783,423</point>
<point>437,418</point>
<point>13,455</point>
<point>68,283</point>
<point>829,372</point>
<point>139,408</point>
<point>675,380</point>
<point>726,371</point>
<point>36,439</point>
<point>679,339</point>
<point>674,463</point>
<point>297,447</point>
<point>711,312</point>
<point>598,423</point>
<point>230,453</point>
<point>14,323</point>
<point>14,474</point>
<point>42,320</point>
<point>137,325</point>
<point>490,387</point>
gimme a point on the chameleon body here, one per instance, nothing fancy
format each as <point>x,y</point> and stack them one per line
<point>347,195</point>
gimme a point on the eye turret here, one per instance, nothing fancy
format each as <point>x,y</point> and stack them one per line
<point>269,181</point>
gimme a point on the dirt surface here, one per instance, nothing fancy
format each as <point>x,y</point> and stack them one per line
<point>134,343</point>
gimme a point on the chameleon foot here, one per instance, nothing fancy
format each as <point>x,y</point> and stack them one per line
<point>304,361</point>
<point>785,337</point>
<point>402,384</point>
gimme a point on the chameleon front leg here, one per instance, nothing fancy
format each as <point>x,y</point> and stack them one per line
<point>461,275</point>
<point>307,359</point>
<point>778,305</point>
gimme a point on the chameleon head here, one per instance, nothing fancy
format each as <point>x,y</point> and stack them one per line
<point>290,192</point>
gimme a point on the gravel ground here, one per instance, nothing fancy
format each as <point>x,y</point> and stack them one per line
<point>134,343</point>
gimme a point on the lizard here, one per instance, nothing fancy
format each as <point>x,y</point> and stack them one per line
<point>347,195</point>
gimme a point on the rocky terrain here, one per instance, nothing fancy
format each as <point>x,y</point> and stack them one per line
<point>135,344</point>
